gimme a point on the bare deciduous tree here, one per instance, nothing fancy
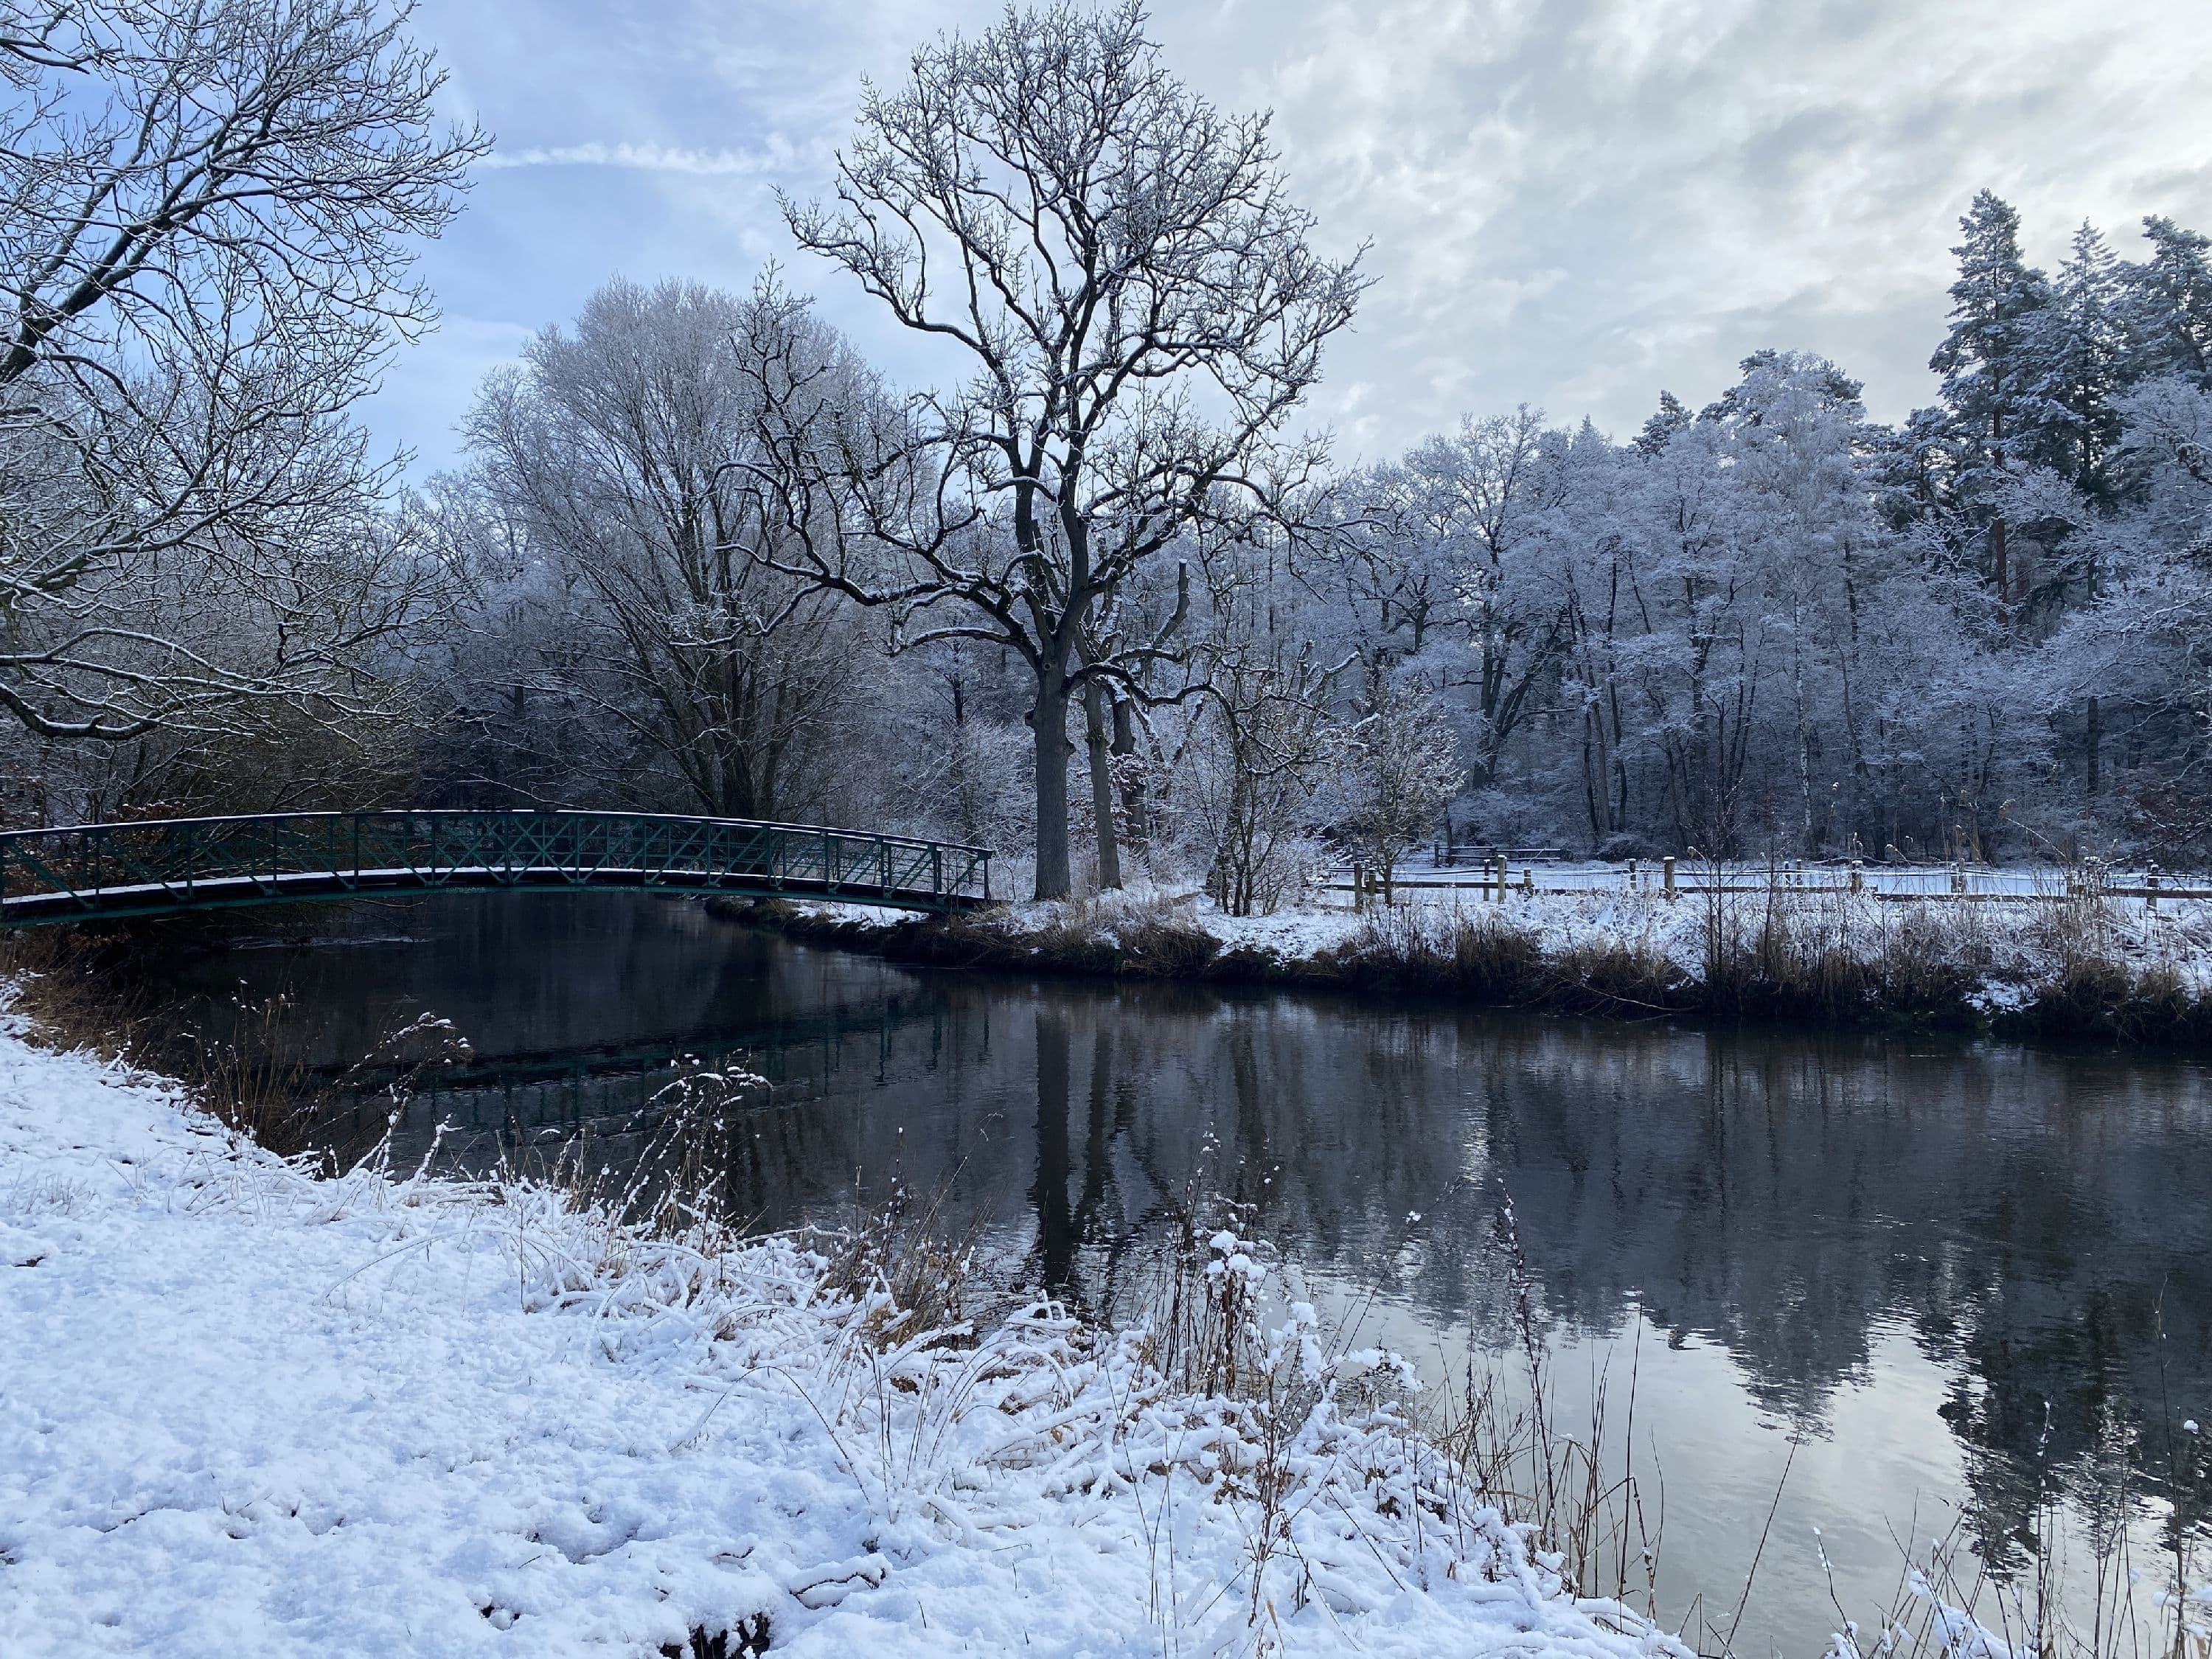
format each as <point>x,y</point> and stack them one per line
<point>1247,783</point>
<point>1400,765</point>
<point>622,459</point>
<point>1140,311</point>
<point>207,210</point>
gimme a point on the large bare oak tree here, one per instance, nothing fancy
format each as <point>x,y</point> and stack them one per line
<point>1132,294</point>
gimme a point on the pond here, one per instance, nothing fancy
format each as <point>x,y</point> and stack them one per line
<point>1895,1289</point>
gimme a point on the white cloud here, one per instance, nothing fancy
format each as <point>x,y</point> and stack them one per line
<point>1579,202</point>
<point>647,158</point>
<point>1572,203</point>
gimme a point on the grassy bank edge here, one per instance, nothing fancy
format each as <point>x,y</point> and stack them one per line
<point>1932,973</point>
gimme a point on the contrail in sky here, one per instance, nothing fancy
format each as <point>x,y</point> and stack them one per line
<point>653,158</point>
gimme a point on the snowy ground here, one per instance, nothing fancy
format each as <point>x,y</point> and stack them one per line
<point>2011,941</point>
<point>244,1411</point>
<point>2013,944</point>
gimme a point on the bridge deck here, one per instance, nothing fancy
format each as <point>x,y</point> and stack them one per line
<point>166,867</point>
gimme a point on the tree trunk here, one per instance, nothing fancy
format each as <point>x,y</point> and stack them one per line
<point>2095,744</point>
<point>1998,523</point>
<point>1133,790</point>
<point>1048,725</point>
<point>1102,784</point>
<point>1056,1239</point>
<point>1804,726</point>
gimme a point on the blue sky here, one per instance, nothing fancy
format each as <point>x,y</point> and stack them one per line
<point>1571,203</point>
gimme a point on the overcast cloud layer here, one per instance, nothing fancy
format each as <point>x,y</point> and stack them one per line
<point>1572,205</point>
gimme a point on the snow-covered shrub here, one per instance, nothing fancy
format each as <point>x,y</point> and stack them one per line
<point>1396,766</point>
<point>1242,792</point>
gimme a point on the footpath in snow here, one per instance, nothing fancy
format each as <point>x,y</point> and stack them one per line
<point>247,1411</point>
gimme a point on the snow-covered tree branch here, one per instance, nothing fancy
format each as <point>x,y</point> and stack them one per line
<point>210,214</point>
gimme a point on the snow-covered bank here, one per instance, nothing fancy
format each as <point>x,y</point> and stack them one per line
<point>2077,965</point>
<point>243,1411</point>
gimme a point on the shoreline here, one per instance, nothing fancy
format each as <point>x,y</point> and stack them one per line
<point>421,1409</point>
<point>252,1409</point>
<point>2081,975</point>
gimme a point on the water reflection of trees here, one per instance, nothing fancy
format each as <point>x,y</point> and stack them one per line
<point>2042,1222</point>
<point>2039,1221</point>
<point>2026,1212</point>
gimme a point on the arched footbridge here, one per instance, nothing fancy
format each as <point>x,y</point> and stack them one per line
<point>167,866</point>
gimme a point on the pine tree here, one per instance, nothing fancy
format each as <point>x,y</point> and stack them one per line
<point>2080,343</point>
<point>1674,414</point>
<point>1766,371</point>
<point>1988,362</point>
<point>1912,467</point>
<point>2170,305</point>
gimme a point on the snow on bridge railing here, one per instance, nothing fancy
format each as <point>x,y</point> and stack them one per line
<point>164,865</point>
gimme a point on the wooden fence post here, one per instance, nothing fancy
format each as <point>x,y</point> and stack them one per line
<point>1667,867</point>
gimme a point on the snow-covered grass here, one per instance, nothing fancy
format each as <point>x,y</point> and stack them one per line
<point>2080,961</point>
<point>246,1411</point>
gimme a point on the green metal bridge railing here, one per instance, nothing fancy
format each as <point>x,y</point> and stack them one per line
<point>163,866</point>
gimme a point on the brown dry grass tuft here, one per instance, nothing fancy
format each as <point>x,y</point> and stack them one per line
<point>1150,935</point>
<point>73,987</point>
<point>917,1277</point>
<point>68,985</point>
<point>1490,958</point>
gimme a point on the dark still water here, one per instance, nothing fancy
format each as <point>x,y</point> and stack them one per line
<point>1958,1290</point>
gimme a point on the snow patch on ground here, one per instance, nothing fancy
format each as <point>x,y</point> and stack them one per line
<point>244,1411</point>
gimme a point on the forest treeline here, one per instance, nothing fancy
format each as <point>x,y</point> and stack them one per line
<point>1100,596</point>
